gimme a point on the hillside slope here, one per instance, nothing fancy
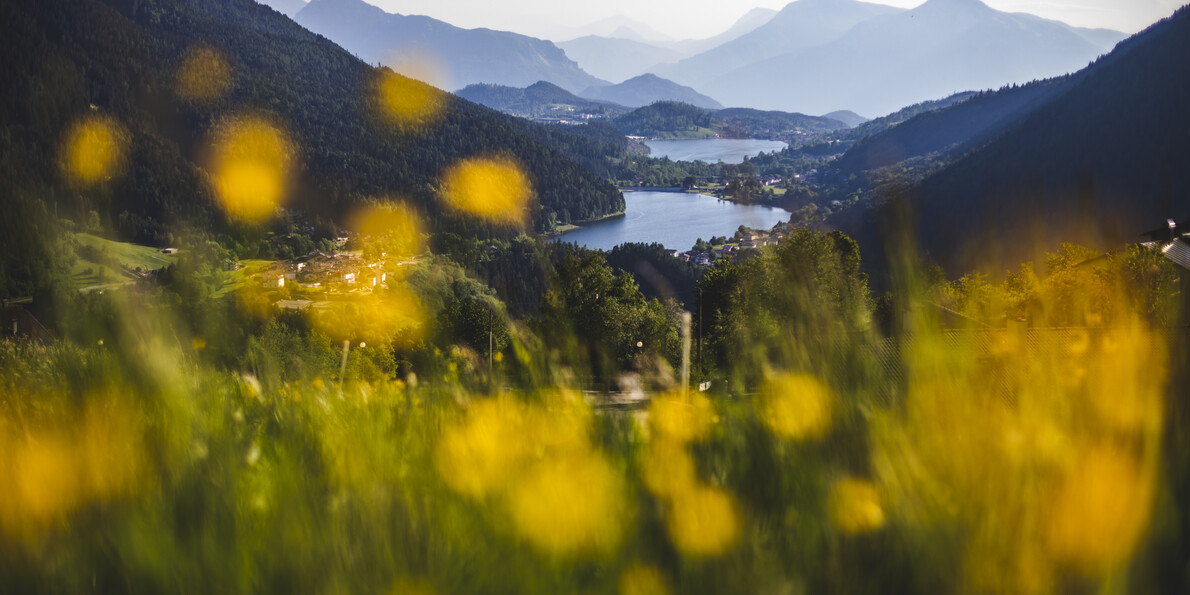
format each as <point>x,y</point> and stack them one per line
<point>1099,162</point>
<point>953,131</point>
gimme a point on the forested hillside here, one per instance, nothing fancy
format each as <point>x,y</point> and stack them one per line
<point>972,121</point>
<point>541,99</point>
<point>672,119</point>
<point>1100,164</point>
<point>162,78</point>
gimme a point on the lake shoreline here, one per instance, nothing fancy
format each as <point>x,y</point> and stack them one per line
<point>675,190</point>
<point>713,150</point>
<point>673,219</point>
<point>556,232</point>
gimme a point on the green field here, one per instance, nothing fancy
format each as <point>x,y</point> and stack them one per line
<point>237,278</point>
<point>106,262</point>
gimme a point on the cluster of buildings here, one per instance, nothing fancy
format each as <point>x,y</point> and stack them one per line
<point>743,240</point>
<point>343,273</point>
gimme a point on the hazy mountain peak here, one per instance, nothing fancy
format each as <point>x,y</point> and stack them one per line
<point>649,88</point>
<point>647,77</point>
<point>544,86</point>
<point>619,26</point>
<point>953,5</point>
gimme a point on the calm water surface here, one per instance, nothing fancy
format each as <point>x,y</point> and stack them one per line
<point>674,219</point>
<point>711,150</point>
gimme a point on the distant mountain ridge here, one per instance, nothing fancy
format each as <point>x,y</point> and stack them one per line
<point>619,59</point>
<point>646,89</point>
<point>798,26</point>
<point>540,99</point>
<point>895,59</point>
<point>616,59</point>
<point>847,117</point>
<point>618,27</point>
<point>461,56</point>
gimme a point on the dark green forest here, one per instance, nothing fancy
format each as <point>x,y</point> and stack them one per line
<point>120,60</point>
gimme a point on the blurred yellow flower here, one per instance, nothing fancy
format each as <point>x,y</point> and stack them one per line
<point>796,407</point>
<point>251,167</point>
<point>378,316</point>
<point>53,470</point>
<point>667,469</point>
<point>703,521</point>
<point>681,418</point>
<point>47,482</point>
<point>94,150</point>
<point>481,454</point>
<point>390,228</point>
<point>642,580</point>
<point>491,188</point>
<point>855,506</point>
<point>560,426</point>
<point>569,504</point>
<point>1100,510</point>
<point>407,101</point>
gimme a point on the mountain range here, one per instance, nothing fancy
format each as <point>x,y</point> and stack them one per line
<point>898,58</point>
<point>453,56</point>
<point>812,56</point>
<point>798,26</point>
<point>618,27</point>
<point>620,58</point>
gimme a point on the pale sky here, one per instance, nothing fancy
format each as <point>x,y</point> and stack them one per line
<point>681,19</point>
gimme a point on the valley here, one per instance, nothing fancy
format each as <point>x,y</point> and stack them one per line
<point>821,296</point>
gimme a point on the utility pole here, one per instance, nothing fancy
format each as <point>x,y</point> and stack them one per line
<point>700,372</point>
<point>685,351</point>
<point>343,365</point>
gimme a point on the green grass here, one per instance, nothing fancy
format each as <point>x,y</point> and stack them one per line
<point>237,278</point>
<point>102,262</point>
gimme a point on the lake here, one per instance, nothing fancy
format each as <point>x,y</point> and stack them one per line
<point>674,219</point>
<point>711,150</point>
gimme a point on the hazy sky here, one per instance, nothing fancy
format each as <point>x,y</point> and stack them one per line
<point>704,18</point>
